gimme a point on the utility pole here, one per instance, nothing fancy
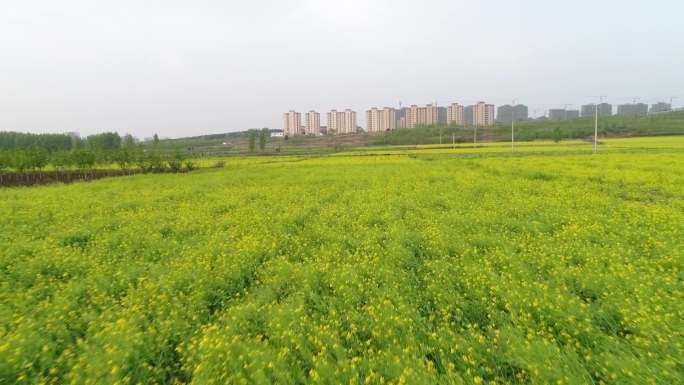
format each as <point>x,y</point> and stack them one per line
<point>596,129</point>
<point>513,124</point>
<point>474,135</point>
<point>596,126</point>
<point>453,140</point>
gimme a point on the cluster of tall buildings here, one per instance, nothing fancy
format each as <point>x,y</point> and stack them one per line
<point>378,120</point>
<point>632,109</point>
<point>603,109</point>
<point>342,122</point>
<point>389,118</point>
<point>508,113</point>
<point>563,114</point>
<point>480,114</point>
<point>661,107</point>
<point>606,109</point>
<point>339,122</point>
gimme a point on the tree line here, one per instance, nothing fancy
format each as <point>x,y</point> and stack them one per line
<point>34,152</point>
<point>11,141</point>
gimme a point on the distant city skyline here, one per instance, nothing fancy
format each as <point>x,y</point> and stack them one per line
<point>479,114</point>
<point>181,69</point>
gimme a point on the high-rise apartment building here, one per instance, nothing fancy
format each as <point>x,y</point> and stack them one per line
<point>572,114</point>
<point>482,114</point>
<point>442,115</point>
<point>414,114</point>
<point>379,120</point>
<point>401,114</point>
<point>349,126</point>
<point>557,114</point>
<point>422,116</point>
<point>507,113</point>
<point>312,123</point>
<point>389,119</point>
<point>431,115</point>
<point>661,107</point>
<point>632,109</point>
<point>335,119</point>
<point>455,114</point>
<point>563,114</point>
<point>342,122</point>
<point>373,120</point>
<point>292,123</point>
<point>468,115</point>
<point>604,109</point>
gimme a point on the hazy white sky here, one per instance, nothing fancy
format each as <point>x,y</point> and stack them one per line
<point>207,66</point>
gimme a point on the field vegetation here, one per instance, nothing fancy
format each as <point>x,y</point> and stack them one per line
<point>459,266</point>
<point>21,152</point>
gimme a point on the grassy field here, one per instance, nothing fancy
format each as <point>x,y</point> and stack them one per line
<point>406,266</point>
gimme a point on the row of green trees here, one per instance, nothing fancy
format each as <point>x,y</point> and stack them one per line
<point>12,141</point>
<point>23,141</point>
<point>127,157</point>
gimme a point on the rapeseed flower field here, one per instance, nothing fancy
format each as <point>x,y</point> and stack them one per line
<point>538,268</point>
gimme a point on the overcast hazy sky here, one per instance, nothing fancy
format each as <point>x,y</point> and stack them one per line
<point>192,67</point>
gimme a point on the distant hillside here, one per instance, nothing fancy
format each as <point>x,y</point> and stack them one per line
<point>237,143</point>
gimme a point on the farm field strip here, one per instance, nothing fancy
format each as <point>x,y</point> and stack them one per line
<point>675,143</point>
<point>351,269</point>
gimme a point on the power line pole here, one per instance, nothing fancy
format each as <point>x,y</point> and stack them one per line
<point>513,124</point>
<point>596,126</point>
<point>474,135</point>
